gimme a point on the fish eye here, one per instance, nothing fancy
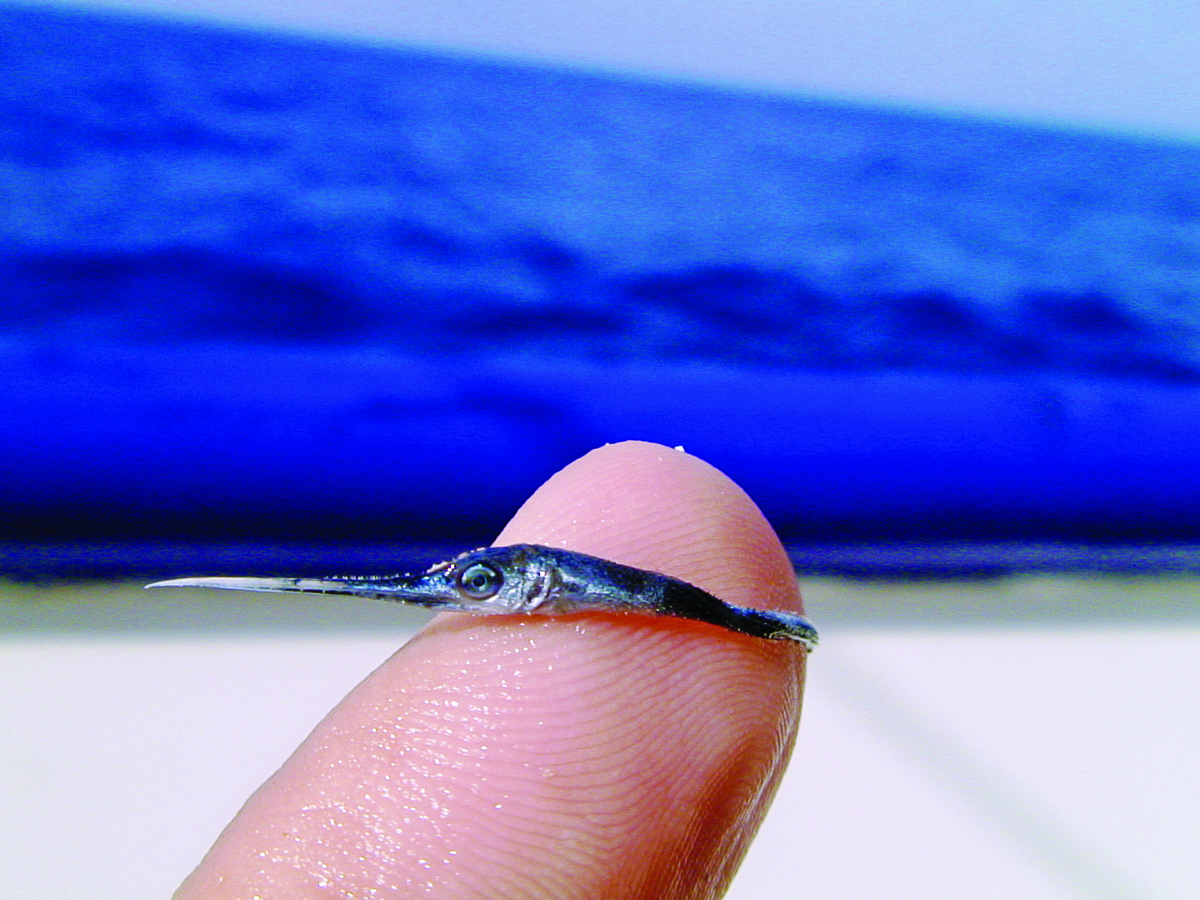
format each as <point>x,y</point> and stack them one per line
<point>480,581</point>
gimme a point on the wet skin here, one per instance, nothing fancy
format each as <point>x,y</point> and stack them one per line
<point>576,756</point>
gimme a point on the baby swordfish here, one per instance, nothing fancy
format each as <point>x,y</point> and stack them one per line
<point>529,578</point>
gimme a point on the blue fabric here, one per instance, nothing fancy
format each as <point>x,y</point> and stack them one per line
<point>333,445</point>
<point>262,288</point>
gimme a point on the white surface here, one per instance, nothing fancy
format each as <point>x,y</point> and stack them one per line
<point>1100,63</point>
<point>934,764</point>
<point>123,758</point>
<point>992,763</point>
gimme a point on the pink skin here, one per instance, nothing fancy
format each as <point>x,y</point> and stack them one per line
<point>584,756</point>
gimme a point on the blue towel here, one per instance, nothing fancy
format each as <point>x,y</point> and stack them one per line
<point>262,288</point>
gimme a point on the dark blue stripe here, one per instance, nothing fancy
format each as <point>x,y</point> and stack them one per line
<point>241,443</point>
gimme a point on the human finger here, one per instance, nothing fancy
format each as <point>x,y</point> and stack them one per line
<point>584,756</point>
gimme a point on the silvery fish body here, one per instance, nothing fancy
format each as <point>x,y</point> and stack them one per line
<point>529,578</point>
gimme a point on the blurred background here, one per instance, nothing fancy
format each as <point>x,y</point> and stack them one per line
<point>295,288</point>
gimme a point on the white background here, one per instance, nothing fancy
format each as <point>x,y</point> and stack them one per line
<point>1022,759</point>
<point>1131,66</point>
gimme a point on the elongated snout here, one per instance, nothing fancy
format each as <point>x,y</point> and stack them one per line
<point>426,590</point>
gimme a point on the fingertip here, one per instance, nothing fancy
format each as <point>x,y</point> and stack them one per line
<point>662,509</point>
<point>579,756</point>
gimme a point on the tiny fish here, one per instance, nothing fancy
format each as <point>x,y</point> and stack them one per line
<point>529,578</point>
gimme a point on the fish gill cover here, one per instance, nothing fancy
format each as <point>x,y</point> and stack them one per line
<point>298,243</point>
